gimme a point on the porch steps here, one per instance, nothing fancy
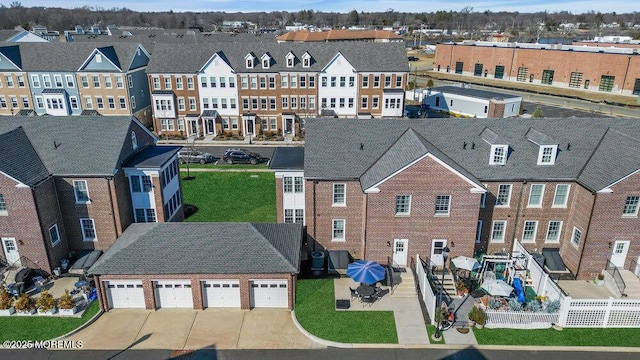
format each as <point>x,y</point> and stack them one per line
<point>406,286</point>
<point>632,284</point>
<point>448,285</point>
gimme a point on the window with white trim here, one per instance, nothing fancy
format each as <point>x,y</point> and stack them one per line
<point>553,231</point>
<point>498,154</point>
<point>3,206</point>
<point>535,195</point>
<point>35,80</point>
<point>576,236</point>
<point>547,155</point>
<point>287,183</point>
<point>483,200</point>
<point>443,204</point>
<point>339,195</point>
<point>119,82</point>
<point>529,231</point>
<point>81,191</point>
<point>54,235</point>
<point>403,204</point>
<point>298,185</point>
<point>478,231</point>
<point>88,229</point>
<point>145,215</point>
<point>134,140</point>
<point>337,233</point>
<point>561,195</point>
<point>504,195</point>
<point>497,230</point>
<point>631,206</point>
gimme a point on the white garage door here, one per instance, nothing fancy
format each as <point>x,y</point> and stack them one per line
<point>173,294</point>
<point>269,293</point>
<point>221,293</point>
<point>125,294</point>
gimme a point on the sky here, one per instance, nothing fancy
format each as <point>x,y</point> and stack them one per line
<point>343,6</point>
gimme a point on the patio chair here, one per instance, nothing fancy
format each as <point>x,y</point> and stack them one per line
<point>382,292</point>
<point>354,293</point>
<point>368,300</point>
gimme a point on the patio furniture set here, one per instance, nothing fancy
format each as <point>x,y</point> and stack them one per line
<point>368,294</point>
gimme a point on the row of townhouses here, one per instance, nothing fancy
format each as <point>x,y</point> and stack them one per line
<point>248,88</point>
<point>388,189</point>
<point>241,88</point>
<point>63,79</point>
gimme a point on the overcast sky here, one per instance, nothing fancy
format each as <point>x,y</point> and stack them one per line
<point>344,6</point>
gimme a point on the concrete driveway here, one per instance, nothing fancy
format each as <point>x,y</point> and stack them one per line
<point>187,329</point>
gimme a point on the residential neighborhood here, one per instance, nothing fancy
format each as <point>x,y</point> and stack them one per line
<point>250,184</point>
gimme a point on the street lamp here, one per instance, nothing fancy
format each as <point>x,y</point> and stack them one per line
<point>445,255</point>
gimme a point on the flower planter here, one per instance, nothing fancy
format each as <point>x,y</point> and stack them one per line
<point>7,312</point>
<point>48,312</point>
<point>26,312</point>
<point>68,312</point>
<point>479,326</point>
<point>599,282</point>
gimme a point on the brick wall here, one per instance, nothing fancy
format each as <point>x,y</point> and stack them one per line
<point>196,286</point>
<point>423,181</point>
<point>496,109</point>
<point>49,214</point>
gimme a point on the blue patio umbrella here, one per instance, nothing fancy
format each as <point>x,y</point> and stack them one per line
<point>365,271</point>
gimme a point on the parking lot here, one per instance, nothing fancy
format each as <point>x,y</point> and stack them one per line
<point>559,112</point>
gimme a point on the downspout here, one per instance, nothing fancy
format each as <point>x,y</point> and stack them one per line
<point>513,55</point>
<point>515,226</point>
<point>626,72</point>
<point>586,235</point>
<point>315,216</point>
<point>364,229</point>
<point>113,212</point>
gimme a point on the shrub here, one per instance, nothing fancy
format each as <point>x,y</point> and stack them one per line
<point>533,306</point>
<point>553,307</point>
<point>24,303</point>
<point>45,302</point>
<point>6,300</point>
<point>66,301</point>
<point>494,304</point>
<point>514,305</point>
<point>480,317</point>
<point>430,83</point>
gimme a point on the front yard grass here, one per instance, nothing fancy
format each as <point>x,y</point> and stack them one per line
<point>566,337</point>
<point>223,166</point>
<point>231,196</point>
<point>38,328</point>
<point>315,310</point>
<point>431,329</point>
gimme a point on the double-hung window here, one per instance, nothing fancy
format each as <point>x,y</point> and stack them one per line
<point>339,195</point>
<point>504,195</point>
<point>338,230</point>
<point>631,206</point>
<point>81,191</point>
<point>529,231</point>
<point>443,204</point>
<point>88,229</point>
<point>561,195</point>
<point>403,204</point>
<point>535,195</point>
<point>498,230</point>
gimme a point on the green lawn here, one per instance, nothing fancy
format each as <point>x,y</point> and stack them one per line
<point>431,329</point>
<point>315,310</point>
<point>231,196</point>
<point>223,166</point>
<point>39,328</point>
<point>566,337</point>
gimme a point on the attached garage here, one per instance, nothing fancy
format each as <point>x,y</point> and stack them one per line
<point>173,294</point>
<point>221,293</point>
<point>269,294</point>
<point>125,294</point>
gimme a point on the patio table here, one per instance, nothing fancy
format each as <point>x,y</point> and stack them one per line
<point>365,290</point>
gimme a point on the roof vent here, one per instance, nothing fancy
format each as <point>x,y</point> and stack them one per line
<point>361,146</point>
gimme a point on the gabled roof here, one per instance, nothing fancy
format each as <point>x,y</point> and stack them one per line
<point>19,159</point>
<point>203,248</point>
<point>601,151</point>
<point>74,145</point>
<point>12,53</point>
<point>389,56</point>
<point>409,147</point>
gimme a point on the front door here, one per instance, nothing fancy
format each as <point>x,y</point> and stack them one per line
<point>436,251</point>
<point>249,125</point>
<point>11,251</point>
<point>619,253</point>
<point>400,252</point>
<point>288,125</point>
<point>211,126</point>
<point>193,126</point>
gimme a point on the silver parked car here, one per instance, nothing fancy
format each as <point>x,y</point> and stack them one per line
<point>194,156</point>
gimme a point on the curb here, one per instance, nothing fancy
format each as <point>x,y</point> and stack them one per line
<point>232,143</point>
<point>82,327</point>
<point>324,342</point>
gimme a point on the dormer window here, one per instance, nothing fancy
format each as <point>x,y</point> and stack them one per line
<point>265,63</point>
<point>291,60</point>
<point>249,59</point>
<point>306,60</point>
<point>249,63</point>
<point>98,58</point>
<point>498,154</point>
<point>547,155</point>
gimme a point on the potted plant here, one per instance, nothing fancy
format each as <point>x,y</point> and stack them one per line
<point>46,303</point>
<point>460,287</point>
<point>6,302</point>
<point>66,304</point>
<point>480,318</point>
<point>600,280</point>
<point>25,305</point>
<point>472,316</point>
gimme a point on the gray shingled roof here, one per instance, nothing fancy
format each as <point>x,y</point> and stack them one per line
<point>203,248</point>
<point>388,56</point>
<point>72,145</point>
<point>476,93</point>
<point>70,56</point>
<point>287,158</point>
<point>153,156</point>
<point>332,147</point>
<point>19,159</point>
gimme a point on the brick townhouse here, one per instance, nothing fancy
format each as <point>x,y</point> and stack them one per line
<point>72,184</point>
<point>251,87</point>
<point>612,69</point>
<point>387,190</point>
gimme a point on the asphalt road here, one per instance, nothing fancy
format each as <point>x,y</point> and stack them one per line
<point>218,150</point>
<point>324,354</point>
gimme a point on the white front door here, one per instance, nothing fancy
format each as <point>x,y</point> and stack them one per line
<point>221,293</point>
<point>11,251</point>
<point>400,252</point>
<point>637,269</point>
<point>619,253</point>
<point>127,294</point>
<point>173,294</point>
<point>269,293</point>
<point>436,251</point>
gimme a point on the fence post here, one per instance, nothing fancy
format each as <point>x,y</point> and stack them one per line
<point>564,310</point>
<point>607,312</point>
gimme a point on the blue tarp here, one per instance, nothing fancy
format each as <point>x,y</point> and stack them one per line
<point>517,286</point>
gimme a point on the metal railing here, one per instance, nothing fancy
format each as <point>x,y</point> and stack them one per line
<point>617,277</point>
<point>633,267</point>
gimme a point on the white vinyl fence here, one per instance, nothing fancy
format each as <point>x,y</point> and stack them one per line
<point>520,319</point>
<point>608,313</point>
<point>542,283</point>
<point>428,296</point>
